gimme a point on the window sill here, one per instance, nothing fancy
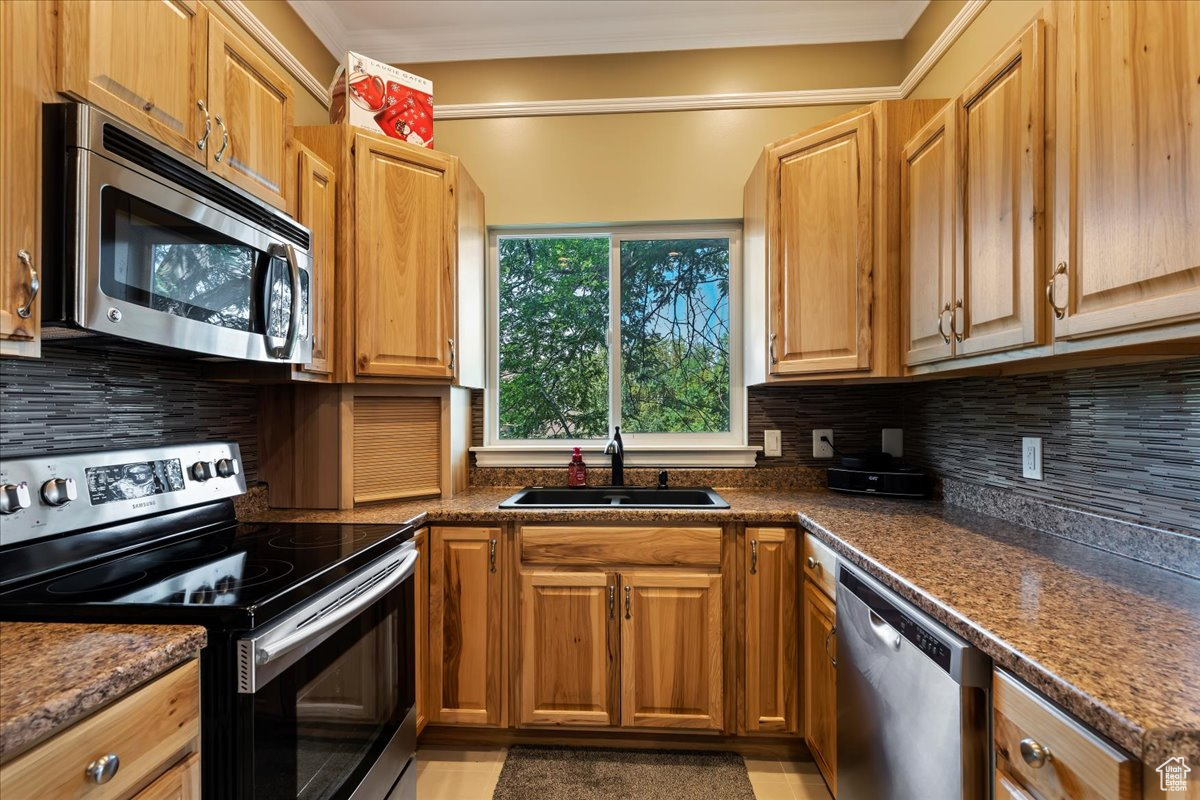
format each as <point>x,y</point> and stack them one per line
<point>558,455</point>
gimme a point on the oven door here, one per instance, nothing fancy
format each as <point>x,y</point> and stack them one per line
<point>155,262</point>
<point>327,695</point>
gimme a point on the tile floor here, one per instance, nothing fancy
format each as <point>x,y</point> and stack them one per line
<point>453,774</point>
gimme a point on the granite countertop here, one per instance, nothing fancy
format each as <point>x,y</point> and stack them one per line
<point>1113,641</point>
<point>52,674</point>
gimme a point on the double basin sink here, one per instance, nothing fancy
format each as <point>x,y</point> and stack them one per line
<point>614,497</point>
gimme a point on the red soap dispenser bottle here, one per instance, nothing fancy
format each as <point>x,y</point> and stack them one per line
<point>577,470</point>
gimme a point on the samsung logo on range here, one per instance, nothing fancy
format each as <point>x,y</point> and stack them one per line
<point>145,504</point>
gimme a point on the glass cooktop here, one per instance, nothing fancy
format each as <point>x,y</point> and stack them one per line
<point>243,574</point>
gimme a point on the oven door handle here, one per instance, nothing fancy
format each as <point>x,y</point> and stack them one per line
<point>287,253</point>
<point>270,648</point>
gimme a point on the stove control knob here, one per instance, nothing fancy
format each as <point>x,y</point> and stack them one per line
<point>14,497</point>
<point>228,467</point>
<point>59,491</point>
<point>202,471</point>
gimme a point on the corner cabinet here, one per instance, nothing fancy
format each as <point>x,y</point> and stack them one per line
<point>1127,180</point>
<point>404,235</point>
<point>821,253</point>
<point>772,630</point>
<point>185,79</point>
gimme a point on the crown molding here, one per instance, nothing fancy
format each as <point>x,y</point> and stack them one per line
<point>711,102</point>
<point>320,18</point>
<point>243,16</point>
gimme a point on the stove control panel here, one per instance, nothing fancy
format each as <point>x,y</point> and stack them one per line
<point>58,493</point>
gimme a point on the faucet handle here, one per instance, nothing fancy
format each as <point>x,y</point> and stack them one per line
<point>662,479</point>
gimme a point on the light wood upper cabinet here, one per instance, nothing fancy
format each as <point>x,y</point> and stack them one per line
<point>772,630</point>
<point>820,681</point>
<point>567,648</point>
<point>22,60</point>
<point>403,259</point>
<point>671,650</point>
<point>1127,161</point>
<point>252,108</point>
<point>143,60</point>
<point>928,213</point>
<point>820,281</point>
<point>316,195</point>
<point>464,625</point>
<point>999,272</point>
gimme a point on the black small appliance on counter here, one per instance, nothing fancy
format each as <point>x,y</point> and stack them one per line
<point>877,473</point>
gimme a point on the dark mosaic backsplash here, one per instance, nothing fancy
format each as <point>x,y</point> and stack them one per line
<point>87,399</point>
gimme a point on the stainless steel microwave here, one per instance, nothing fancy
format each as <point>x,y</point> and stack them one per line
<point>144,245</point>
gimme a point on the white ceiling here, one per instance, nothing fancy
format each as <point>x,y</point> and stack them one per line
<point>415,31</point>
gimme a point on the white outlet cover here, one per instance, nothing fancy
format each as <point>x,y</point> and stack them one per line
<point>1031,457</point>
<point>772,443</point>
<point>820,449</point>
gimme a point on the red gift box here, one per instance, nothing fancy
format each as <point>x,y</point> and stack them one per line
<point>380,97</point>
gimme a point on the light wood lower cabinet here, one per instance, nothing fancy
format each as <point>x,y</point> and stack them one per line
<point>772,630</point>
<point>180,782</point>
<point>421,627</point>
<point>567,648</point>
<point>464,625</point>
<point>820,680</point>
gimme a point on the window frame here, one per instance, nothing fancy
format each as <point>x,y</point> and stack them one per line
<point>725,448</point>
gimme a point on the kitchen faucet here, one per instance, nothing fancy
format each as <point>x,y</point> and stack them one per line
<point>616,449</point>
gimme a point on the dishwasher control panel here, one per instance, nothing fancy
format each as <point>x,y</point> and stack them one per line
<point>928,642</point>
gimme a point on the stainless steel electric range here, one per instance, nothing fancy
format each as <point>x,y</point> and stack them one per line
<point>307,683</point>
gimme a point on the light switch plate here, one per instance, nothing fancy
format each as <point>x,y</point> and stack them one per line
<point>820,449</point>
<point>893,442</point>
<point>1031,457</point>
<point>772,444</point>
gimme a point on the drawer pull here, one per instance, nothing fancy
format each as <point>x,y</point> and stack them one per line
<point>1034,753</point>
<point>813,564</point>
<point>103,768</point>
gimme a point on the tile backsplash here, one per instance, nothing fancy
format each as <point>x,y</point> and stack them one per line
<point>81,398</point>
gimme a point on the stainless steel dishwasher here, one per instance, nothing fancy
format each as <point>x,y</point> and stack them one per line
<point>913,720</point>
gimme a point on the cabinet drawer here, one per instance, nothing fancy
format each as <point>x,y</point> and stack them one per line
<point>148,731</point>
<point>820,564</point>
<point>1079,765</point>
<point>653,546</point>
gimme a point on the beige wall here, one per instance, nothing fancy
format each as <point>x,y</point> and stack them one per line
<point>998,23</point>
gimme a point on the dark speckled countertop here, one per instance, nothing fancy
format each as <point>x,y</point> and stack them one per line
<point>52,674</point>
<point>1113,641</point>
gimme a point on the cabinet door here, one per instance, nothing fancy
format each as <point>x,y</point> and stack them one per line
<point>928,218</point>
<point>421,625</point>
<point>1000,269</point>
<point>820,681</point>
<point>671,650</point>
<point>180,782</point>
<point>822,255</point>
<point>142,60</point>
<point>567,648</point>
<point>21,186</point>
<point>404,231</point>
<point>317,210</point>
<point>772,670</point>
<point>1127,161</point>
<point>252,108</point>
<point>464,625</point>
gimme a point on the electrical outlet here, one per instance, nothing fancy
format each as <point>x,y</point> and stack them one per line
<point>821,449</point>
<point>1031,457</point>
<point>772,444</point>
<point>893,442</point>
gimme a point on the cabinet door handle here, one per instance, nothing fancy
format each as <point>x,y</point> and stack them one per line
<point>754,556</point>
<point>492,554</point>
<point>612,601</point>
<point>1059,311</point>
<point>813,564</point>
<point>224,139</point>
<point>25,311</point>
<point>942,323</point>
<point>202,142</point>
<point>627,616</point>
<point>774,358</point>
<point>452,354</point>
<point>828,655</point>
<point>958,306</point>
<point>103,768</point>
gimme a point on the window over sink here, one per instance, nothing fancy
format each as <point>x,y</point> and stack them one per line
<point>630,327</point>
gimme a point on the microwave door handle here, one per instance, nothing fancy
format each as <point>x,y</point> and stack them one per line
<point>288,253</point>
<point>272,649</point>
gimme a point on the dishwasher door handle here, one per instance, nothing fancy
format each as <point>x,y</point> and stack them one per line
<point>886,633</point>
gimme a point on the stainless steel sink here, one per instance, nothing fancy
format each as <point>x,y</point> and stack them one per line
<point>619,496</point>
